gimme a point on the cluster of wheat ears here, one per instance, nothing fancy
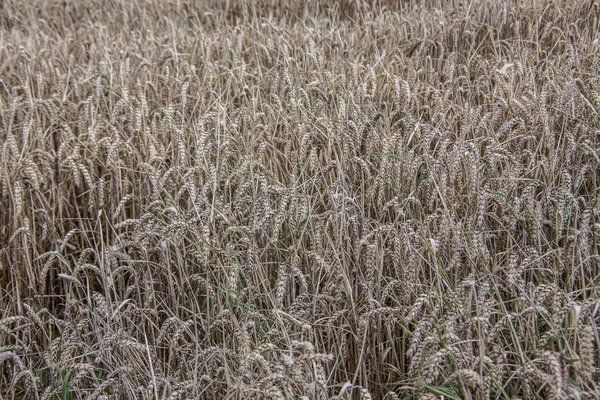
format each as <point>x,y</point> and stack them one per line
<point>315,200</point>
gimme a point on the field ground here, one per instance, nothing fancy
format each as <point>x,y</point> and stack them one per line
<point>269,199</point>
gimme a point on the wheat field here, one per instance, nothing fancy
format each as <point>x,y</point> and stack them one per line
<point>299,200</point>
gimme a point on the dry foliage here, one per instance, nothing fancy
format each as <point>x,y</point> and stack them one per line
<point>277,199</point>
